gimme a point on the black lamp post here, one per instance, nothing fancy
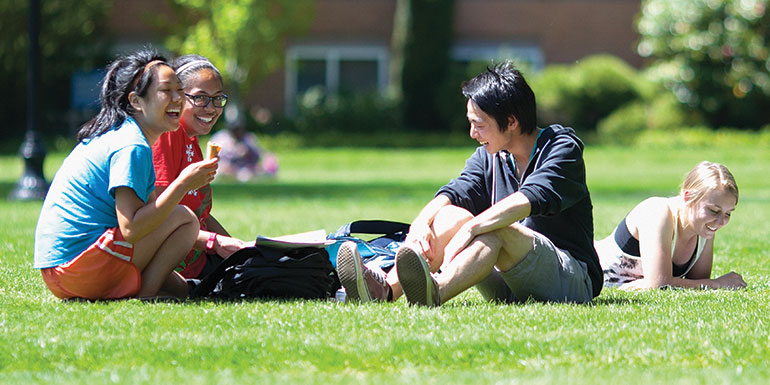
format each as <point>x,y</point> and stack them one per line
<point>32,184</point>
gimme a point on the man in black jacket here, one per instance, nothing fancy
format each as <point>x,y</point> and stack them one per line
<point>516,224</point>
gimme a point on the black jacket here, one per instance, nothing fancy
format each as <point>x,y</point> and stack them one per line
<point>555,184</point>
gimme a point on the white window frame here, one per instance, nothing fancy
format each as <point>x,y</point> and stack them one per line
<point>332,54</point>
<point>499,51</point>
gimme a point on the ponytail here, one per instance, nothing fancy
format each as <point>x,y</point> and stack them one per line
<point>132,73</point>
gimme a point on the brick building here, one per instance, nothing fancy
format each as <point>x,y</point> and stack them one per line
<point>348,42</point>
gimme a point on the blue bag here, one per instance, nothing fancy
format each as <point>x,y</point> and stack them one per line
<point>380,250</point>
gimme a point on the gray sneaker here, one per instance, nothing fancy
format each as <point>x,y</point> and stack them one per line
<point>361,283</point>
<point>414,275</point>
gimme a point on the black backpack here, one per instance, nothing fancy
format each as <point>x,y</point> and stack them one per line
<point>270,273</point>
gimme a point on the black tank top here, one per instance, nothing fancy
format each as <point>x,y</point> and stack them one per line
<point>627,243</point>
<point>630,245</point>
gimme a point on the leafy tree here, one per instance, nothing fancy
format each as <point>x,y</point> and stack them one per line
<point>71,38</point>
<point>244,38</point>
<point>422,37</point>
<point>713,54</point>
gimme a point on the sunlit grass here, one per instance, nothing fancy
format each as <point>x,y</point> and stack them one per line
<point>670,336</point>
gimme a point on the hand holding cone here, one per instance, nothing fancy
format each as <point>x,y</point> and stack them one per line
<point>212,150</point>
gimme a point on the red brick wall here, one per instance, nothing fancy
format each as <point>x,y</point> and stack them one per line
<point>353,19</point>
<point>565,30</point>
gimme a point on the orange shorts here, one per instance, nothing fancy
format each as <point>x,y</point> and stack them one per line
<point>103,271</point>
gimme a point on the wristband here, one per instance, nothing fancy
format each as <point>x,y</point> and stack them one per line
<point>210,243</point>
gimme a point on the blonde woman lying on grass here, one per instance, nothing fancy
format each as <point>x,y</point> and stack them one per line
<point>670,241</point>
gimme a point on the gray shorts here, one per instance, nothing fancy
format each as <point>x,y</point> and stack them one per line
<point>546,274</point>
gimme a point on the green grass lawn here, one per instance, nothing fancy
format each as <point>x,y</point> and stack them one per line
<point>666,336</point>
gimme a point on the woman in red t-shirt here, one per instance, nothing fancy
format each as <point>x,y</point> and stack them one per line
<point>173,151</point>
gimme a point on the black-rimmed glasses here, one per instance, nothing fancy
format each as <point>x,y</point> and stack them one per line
<point>218,101</point>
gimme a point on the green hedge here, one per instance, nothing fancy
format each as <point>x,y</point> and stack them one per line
<point>605,99</point>
<point>583,94</point>
<point>662,112</point>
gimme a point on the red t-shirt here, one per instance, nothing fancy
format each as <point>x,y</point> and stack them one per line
<point>172,152</point>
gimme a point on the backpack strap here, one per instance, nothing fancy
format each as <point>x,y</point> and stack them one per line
<point>372,227</point>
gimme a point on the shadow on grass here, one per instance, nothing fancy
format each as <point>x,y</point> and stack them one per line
<point>294,191</point>
<point>328,190</point>
<point>337,190</point>
<point>614,301</point>
<point>341,190</point>
<point>598,301</point>
<point>218,300</point>
<point>6,188</point>
<point>451,304</point>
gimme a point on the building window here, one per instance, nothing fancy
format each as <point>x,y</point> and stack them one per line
<point>343,69</point>
<point>334,69</point>
<point>522,54</point>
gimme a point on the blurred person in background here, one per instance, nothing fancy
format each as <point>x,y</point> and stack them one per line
<point>242,157</point>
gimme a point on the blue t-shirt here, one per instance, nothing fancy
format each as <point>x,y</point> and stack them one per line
<point>80,205</point>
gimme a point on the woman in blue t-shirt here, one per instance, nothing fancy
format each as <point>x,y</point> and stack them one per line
<point>102,232</point>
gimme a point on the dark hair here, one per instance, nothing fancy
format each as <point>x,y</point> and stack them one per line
<point>188,65</point>
<point>132,73</point>
<point>502,92</point>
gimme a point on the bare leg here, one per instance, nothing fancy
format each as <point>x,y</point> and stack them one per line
<point>469,267</point>
<point>503,249</point>
<point>160,252</point>
<point>446,224</point>
<point>175,285</point>
<point>444,227</point>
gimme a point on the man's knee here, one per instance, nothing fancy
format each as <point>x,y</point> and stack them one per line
<point>449,219</point>
<point>516,242</point>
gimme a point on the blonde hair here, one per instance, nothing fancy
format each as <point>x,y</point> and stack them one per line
<point>707,176</point>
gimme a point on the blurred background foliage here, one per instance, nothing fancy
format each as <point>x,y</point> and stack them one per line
<point>243,38</point>
<point>713,55</point>
<point>707,68</point>
<point>72,38</point>
<point>585,93</point>
<point>425,65</point>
